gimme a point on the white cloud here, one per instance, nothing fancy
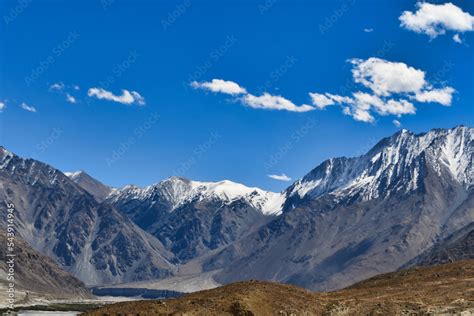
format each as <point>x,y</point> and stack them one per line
<point>273,102</point>
<point>219,85</point>
<point>27,107</point>
<point>391,86</point>
<point>324,100</point>
<point>457,38</point>
<point>362,115</point>
<point>368,30</point>
<point>138,98</point>
<point>127,97</point>
<point>436,19</point>
<point>3,106</point>
<point>320,100</point>
<point>396,107</point>
<point>365,101</point>
<point>58,86</point>
<point>339,99</point>
<point>397,123</point>
<point>385,77</point>
<point>282,177</point>
<point>265,101</point>
<point>70,98</point>
<point>442,96</point>
<point>362,103</point>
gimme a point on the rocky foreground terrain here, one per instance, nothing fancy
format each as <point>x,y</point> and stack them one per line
<point>444,289</point>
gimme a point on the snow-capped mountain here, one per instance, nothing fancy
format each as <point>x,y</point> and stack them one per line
<point>352,218</point>
<point>93,241</point>
<point>190,217</point>
<point>346,220</point>
<point>176,191</point>
<point>393,166</point>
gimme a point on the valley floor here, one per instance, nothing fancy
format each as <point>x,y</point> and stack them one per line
<point>444,289</point>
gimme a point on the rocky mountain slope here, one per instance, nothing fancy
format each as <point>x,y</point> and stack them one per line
<point>93,241</point>
<point>445,289</point>
<point>38,274</point>
<point>458,246</point>
<point>190,217</point>
<point>94,187</point>
<point>346,220</point>
<point>353,218</point>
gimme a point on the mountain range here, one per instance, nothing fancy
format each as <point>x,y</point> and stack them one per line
<point>93,241</point>
<point>346,220</point>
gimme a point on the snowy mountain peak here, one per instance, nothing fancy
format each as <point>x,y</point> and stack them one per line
<point>265,201</point>
<point>175,191</point>
<point>5,157</point>
<point>395,164</point>
<point>74,175</point>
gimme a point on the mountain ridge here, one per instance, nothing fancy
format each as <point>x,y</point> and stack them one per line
<point>357,217</point>
<point>347,219</point>
<point>63,221</point>
<point>96,188</point>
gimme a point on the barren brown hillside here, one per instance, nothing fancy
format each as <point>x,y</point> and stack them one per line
<point>445,289</point>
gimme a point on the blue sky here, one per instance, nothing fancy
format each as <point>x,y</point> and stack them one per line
<point>162,126</point>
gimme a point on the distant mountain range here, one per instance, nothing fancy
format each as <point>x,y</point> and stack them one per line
<point>346,220</point>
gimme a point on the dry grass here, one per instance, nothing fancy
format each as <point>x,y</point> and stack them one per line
<point>444,289</point>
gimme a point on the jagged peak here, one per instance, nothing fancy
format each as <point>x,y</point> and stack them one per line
<point>382,166</point>
<point>6,152</point>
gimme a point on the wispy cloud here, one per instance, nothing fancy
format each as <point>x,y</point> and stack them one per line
<point>127,97</point>
<point>3,106</point>
<point>435,19</point>
<point>66,90</point>
<point>273,102</point>
<point>281,177</point>
<point>397,123</point>
<point>457,38</point>
<point>70,98</point>
<point>367,30</point>
<point>265,101</point>
<point>219,85</point>
<point>27,107</point>
<point>58,86</point>
<point>321,100</point>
